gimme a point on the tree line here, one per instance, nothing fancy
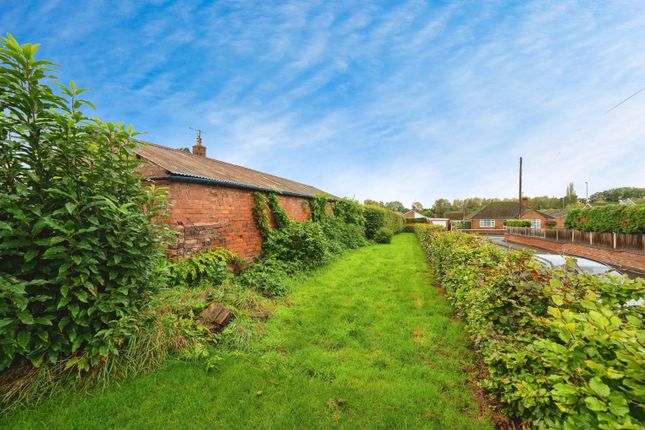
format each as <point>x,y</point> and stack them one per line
<point>441,207</point>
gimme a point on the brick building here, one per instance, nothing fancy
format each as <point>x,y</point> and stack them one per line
<point>212,201</point>
<point>493,215</point>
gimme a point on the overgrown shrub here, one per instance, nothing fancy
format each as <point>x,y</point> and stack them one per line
<point>415,220</point>
<point>349,211</point>
<point>517,223</point>
<point>267,276</point>
<point>301,243</point>
<point>383,235</point>
<point>78,246</point>
<point>207,268</point>
<point>377,217</point>
<point>561,349</point>
<point>345,235</point>
<point>610,218</point>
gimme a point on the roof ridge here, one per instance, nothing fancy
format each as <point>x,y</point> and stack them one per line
<point>212,168</point>
<point>225,162</point>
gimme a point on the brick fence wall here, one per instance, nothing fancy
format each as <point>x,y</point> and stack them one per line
<point>620,259</point>
<point>208,216</point>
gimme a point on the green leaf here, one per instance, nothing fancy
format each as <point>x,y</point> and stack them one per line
<point>71,207</point>
<point>4,322</point>
<point>23,339</point>
<point>30,255</point>
<point>599,387</point>
<point>54,252</point>
<point>595,404</point>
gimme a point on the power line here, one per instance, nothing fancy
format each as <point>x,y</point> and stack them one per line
<point>625,100</point>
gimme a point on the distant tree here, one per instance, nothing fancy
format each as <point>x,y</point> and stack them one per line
<point>544,202</point>
<point>440,207</point>
<point>417,206</point>
<point>616,194</point>
<point>372,202</point>
<point>428,213</point>
<point>570,197</point>
<point>396,206</point>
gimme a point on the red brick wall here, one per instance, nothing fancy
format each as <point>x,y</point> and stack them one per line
<point>530,214</point>
<point>210,216</point>
<point>499,224</point>
<point>620,259</point>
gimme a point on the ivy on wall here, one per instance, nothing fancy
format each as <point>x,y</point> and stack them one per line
<point>318,206</point>
<point>279,215</point>
<point>260,214</point>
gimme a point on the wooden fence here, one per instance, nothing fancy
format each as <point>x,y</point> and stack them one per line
<point>618,241</point>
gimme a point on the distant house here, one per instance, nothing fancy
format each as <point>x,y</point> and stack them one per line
<point>556,215</point>
<point>493,215</point>
<point>443,222</point>
<point>412,214</point>
<point>211,202</point>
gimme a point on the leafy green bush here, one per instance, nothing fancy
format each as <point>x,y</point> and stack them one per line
<point>517,223</point>
<point>416,220</point>
<point>611,218</point>
<point>79,250</point>
<point>562,350</point>
<point>383,235</point>
<point>207,268</point>
<point>267,276</point>
<point>349,211</point>
<point>342,235</point>
<point>301,243</point>
<point>377,217</point>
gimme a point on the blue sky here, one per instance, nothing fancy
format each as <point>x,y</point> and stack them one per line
<point>386,100</point>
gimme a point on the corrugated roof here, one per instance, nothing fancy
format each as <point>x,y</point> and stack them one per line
<point>182,163</point>
<point>496,210</point>
<point>555,213</point>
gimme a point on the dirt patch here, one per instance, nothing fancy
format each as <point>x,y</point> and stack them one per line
<point>418,302</point>
<point>488,408</point>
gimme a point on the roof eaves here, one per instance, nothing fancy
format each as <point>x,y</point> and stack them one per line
<point>210,181</point>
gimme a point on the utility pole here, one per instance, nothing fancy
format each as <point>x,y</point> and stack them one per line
<point>519,214</point>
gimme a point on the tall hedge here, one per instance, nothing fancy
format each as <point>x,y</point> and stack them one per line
<point>611,218</point>
<point>377,217</point>
<point>560,349</point>
<point>78,246</point>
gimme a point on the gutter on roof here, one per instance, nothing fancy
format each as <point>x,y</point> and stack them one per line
<point>206,181</point>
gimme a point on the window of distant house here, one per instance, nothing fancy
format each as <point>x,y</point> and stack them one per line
<point>536,223</point>
<point>486,223</point>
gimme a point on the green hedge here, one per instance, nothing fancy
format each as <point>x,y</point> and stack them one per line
<point>611,218</point>
<point>377,217</point>
<point>561,350</point>
<point>517,223</point>
<point>416,220</point>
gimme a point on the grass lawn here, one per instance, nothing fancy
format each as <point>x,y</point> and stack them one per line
<point>364,343</point>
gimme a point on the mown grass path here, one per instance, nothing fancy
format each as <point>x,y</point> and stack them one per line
<point>364,343</point>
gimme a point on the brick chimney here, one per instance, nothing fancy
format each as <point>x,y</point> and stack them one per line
<point>198,148</point>
<point>525,203</point>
